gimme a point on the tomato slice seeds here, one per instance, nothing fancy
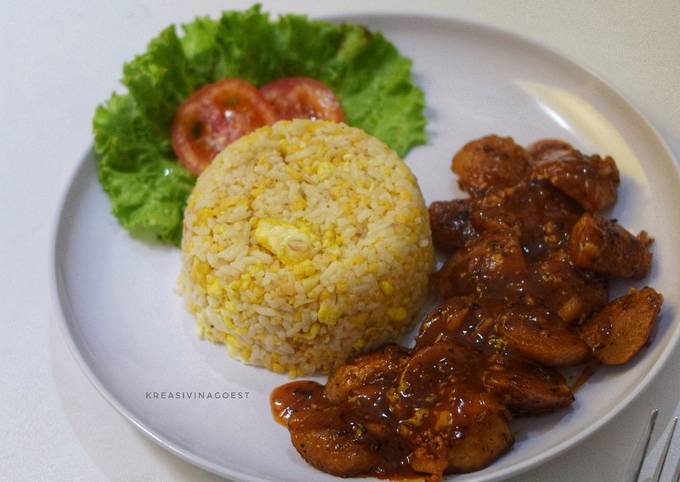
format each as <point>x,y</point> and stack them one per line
<point>219,113</point>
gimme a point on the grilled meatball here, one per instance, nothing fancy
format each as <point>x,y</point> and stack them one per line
<point>488,163</point>
<point>484,266</point>
<point>528,390</point>
<point>603,246</point>
<point>541,336</point>
<point>592,181</point>
<point>623,327</point>
<point>450,224</point>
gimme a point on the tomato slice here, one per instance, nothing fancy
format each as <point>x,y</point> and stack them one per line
<point>215,116</point>
<point>302,98</point>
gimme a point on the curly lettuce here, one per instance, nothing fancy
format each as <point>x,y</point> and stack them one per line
<point>148,187</point>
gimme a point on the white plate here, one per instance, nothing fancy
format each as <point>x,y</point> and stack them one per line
<point>131,335</point>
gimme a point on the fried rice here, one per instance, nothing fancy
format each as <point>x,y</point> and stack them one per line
<point>303,243</point>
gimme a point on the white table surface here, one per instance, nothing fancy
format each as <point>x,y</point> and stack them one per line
<point>58,60</point>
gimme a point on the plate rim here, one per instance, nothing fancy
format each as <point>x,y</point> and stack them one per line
<point>56,284</point>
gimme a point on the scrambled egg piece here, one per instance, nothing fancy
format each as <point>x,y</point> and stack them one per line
<point>287,242</point>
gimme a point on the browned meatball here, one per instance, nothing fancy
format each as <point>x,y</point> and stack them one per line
<point>332,440</point>
<point>450,224</point>
<point>465,430</point>
<point>528,390</point>
<point>541,336</point>
<point>429,367</point>
<point>592,181</point>
<point>445,321</point>
<point>360,373</point>
<point>623,327</point>
<point>601,245</point>
<point>571,293</point>
<point>538,213</point>
<point>483,267</point>
<point>485,432</point>
<point>488,163</point>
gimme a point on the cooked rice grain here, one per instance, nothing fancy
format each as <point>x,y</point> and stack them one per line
<point>305,242</point>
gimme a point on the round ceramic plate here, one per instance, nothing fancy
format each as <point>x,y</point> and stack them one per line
<point>130,332</point>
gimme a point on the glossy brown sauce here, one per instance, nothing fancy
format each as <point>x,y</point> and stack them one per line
<point>299,395</point>
<point>513,303</point>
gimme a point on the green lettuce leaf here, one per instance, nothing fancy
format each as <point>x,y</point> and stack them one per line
<point>148,188</point>
<point>137,168</point>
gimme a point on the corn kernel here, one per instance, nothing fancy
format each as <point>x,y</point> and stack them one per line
<point>357,259</point>
<point>233,342</point>
<point>386,287</point>
<point>325,295</point>
<point>293,173</point>
<point>359,319</point>
<point>324,169</point>
<point>199,270</point>
<point>328,313</point>
<point>311,334</point>
<point>213,286</point>
<point>406,195</point>
<point>258,294</point>
<point>202,215</point>
<point>397,313</point>
<point>305,268</point>
<point>228,202</point>
<point>310,283</point>
<point>341,286</point>
<point>373,267</point>
<point>298,204</point>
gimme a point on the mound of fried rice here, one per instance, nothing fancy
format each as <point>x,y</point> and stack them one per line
<point>305,242</point>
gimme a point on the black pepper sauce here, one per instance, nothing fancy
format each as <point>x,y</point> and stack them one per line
<point>365,416</point>
<point>416,414</point>
<point>295,397</point>
<point>528,226</point>
<point>412,422</point>
<point>540,214</point>
<point>413,418</point>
